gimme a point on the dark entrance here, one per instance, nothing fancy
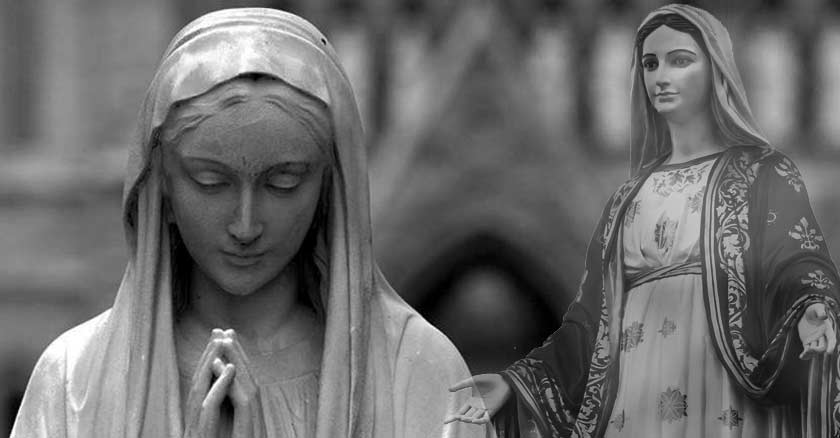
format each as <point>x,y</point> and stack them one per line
<point>491,302</point>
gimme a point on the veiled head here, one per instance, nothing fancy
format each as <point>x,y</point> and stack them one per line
<point>709,83</point>
<point>201,90</point>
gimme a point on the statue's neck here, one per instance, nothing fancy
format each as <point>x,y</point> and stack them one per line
<point>262,318</point>
<point>693,138</point>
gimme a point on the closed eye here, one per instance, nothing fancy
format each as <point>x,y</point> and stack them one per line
<point>209,180</point>
<point>284,181</point>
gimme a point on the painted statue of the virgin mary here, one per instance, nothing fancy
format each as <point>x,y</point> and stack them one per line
<point>251,304</point>
<point>707,279</point>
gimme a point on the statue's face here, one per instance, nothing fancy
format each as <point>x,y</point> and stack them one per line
<point>243,190</point>
<point>677,74</point>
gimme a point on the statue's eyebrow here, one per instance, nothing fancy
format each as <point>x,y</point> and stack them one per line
<point>292,166</point>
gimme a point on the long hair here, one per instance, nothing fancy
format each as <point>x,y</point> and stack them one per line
<point>674,21</point>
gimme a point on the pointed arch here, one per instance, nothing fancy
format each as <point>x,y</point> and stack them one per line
<point>490,297</point>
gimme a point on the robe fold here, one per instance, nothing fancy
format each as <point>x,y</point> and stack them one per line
<point>764,260</point>
<point>385,371</point>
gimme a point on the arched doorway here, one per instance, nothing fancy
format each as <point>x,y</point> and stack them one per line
<point>489,299</point>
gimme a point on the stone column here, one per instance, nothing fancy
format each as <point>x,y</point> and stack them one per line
<point>18,52</point>
<point>59,119</point>
<point>122,42</point>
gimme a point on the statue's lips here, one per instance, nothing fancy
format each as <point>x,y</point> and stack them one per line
<point>242,259</point>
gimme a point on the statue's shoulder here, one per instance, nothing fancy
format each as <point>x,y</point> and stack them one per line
<point>72,345</point>
<point>62,362</point>
<point>755,154</point>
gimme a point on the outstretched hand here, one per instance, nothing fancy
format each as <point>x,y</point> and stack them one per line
<point>490,392</point>
<point>816,330</point>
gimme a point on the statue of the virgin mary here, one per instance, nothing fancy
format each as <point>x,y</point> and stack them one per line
<point>251,304</point>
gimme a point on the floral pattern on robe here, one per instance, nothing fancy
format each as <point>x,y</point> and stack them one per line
<point>756,281</point>
<point>673,385</point>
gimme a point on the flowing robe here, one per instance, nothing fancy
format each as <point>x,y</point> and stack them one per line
<point>764,261</point>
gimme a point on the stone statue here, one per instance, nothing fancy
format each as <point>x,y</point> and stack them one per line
<point>251,305</point>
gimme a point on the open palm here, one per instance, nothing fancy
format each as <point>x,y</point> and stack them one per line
<point>490,392</point>
<point>816,330</point>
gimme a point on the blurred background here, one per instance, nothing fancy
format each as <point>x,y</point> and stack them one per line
<point>497,130</point>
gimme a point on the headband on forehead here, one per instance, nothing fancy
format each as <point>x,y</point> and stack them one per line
<point>308,111</point>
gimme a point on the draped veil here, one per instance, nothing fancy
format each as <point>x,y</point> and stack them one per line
<point>384,370</point>
<point>649,138</point>
<point>763,261</point>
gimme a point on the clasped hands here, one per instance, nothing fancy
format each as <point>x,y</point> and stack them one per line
<point>223,372</point>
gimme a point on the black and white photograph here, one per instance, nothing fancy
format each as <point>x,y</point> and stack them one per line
<point>419,218</point>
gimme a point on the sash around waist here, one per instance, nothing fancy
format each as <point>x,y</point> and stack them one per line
<point>688,268</point>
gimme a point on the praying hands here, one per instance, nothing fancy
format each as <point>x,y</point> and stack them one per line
<point>223,372</point>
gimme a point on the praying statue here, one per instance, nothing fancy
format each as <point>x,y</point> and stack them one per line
<point>251,304</point>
